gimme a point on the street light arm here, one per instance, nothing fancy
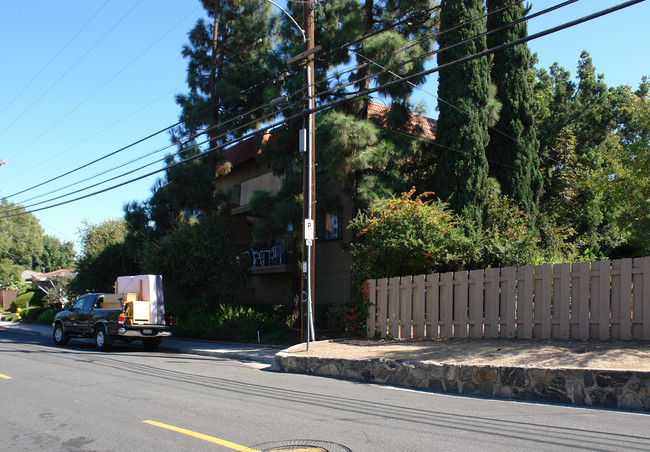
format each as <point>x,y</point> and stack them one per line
<point>302,32</point>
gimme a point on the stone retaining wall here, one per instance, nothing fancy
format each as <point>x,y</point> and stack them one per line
<point>598,388</point>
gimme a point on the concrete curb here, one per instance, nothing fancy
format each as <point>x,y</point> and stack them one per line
<point>627,390</point>
<point>224,350</point>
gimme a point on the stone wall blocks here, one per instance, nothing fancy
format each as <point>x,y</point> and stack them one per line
<point>612,379</point>
<point>603,399</point>
<point>539,375</point>
<point>451,372</point>
<point>436,385</point>
<point>577,394</point>
<point>465,373</point>
<point>436,371</point>
<point>513,376</point>
<point>467,388</point>
<point>631,401</point>
<point>487,374</point>
<point>606,389</point>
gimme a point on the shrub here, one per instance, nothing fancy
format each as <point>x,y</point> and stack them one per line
<point>31,297</point>
<point>46,317</point>
<point>406,236</point>
<point>232,322</point>
<point>350,319</point>
<point>17,303</point>
<point>31,314</point>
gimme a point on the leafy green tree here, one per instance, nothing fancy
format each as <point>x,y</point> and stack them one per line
<point>513,148</point>
<point>56,255</point>
<point>577,132</point>
<point>21,236</point>
<point>10,275</point>
<point>201,258</point>
<point>104,257</point>
<point>362,152</point>
<point>631,186</point>
<point>461,173</point>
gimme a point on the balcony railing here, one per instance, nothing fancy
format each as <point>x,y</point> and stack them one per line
<point>279,256</point>
<point>242,193</point>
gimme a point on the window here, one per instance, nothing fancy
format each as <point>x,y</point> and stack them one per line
<point>328,226</point>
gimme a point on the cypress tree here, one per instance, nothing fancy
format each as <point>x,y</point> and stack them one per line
<point>461,175</point>
<point>513,147</point>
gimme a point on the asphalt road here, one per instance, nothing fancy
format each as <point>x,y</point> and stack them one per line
<point>74,398</point>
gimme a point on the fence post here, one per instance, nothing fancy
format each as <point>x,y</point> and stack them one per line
<point>371,321</point>
<point>645,310</point>
<point>580,298</point>
<point>461,306</point>
<point>382,307</point>
<point>492,276</point>
<point>561,295</point>
<point>393,307</point>
<point>447,305</point>
<point>543,299</point>
<point>626,299</point>
<point>419,287</point>
<point>405,306</point>
<point>604,300</point>
<point>508,278</point>
<point>432,308</point>
<point>525,285</point>
<point>476,304</point>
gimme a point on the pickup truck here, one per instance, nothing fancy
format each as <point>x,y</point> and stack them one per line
<point>87,318</point>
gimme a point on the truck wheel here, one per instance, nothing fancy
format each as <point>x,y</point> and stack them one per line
<point>102,340</point>
<point>151,344</point>
<point>59,336</point>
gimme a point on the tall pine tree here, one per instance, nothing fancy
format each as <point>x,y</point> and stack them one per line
<point>512,151</point>
<point>227,55</point>
<point>461,174</point>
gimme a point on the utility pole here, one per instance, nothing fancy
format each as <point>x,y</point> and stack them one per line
<point>309,173</point>
<point>307,147</point>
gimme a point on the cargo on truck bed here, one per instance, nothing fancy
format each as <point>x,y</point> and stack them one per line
<point>136,311</point>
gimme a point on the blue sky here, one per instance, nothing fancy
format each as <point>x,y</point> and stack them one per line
<point>83,78</point>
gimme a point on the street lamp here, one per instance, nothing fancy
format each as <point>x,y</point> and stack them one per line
<point>306,144</point>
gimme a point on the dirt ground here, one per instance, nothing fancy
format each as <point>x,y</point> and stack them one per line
<point>613,355</point>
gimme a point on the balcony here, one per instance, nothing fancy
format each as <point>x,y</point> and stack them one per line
<point>242,193</point>
<point>280,257</point>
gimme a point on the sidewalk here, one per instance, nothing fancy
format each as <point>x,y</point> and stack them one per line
<point>228,350</point>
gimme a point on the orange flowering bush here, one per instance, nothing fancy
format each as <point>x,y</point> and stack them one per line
<point>408,236</point>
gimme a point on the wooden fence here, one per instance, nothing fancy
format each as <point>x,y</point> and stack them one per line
<point>585,300</point>
<point>6,297</point>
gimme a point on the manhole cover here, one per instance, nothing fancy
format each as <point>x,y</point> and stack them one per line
<point>302,445</point>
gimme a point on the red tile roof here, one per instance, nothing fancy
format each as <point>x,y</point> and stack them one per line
<point>248,149</point>
<point>428,125</point>
<point>52,275</point>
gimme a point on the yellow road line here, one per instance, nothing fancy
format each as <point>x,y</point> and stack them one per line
<point>211,439</point>
<point>6,377</point>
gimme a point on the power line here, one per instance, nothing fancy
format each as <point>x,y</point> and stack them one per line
<point>243,91</point>
<point>152,135</point>
<point>222,123</point>
<point>105,83</point>
<point>367,92</point>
